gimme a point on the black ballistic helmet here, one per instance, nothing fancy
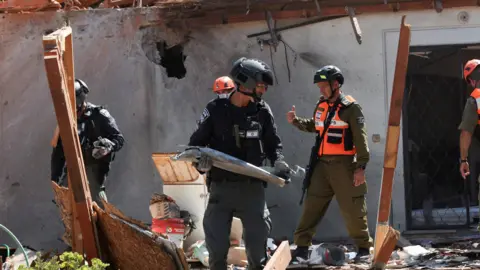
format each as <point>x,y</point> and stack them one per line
<point>248,72</point>
<point>328,74</point>
<point>81,91</point>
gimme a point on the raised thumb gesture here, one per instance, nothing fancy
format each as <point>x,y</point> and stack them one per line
<point>291,115</point>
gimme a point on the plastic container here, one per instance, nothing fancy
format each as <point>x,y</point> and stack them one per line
<point>328,255</point>
<point>174,228</point>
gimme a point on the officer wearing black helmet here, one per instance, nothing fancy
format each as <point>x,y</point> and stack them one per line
<point>242,126</point>
<point>340,157</point>
<point>100,139</point>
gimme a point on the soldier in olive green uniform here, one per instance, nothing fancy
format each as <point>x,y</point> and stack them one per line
<point>471,116</point>
<point>342,157</point>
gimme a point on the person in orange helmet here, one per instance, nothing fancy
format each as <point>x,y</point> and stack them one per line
<point>470,125</point>
<point>471,113</point>
<point>223,87</point>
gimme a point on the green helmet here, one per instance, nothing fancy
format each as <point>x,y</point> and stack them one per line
<point>328,74</point>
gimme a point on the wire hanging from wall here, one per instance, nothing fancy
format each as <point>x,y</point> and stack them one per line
<point>273,42</point>
<point>273,64</point>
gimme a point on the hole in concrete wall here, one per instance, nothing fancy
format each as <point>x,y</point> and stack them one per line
<point>167,53</point>
<point>172,59</point>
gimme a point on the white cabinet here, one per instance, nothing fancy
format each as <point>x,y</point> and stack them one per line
<point>192,197</point>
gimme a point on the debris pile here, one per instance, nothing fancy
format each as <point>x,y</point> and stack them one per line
<point>435,258</point>
<point>127,243</point>
<point>131,245</point>
<point>237,255</point>
<point>168,220</point>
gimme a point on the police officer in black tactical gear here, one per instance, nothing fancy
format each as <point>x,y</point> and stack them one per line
<point>100,139</point>
<point>241,126</point>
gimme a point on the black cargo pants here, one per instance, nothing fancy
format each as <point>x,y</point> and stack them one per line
<point>242,198</point>
<point>96,174</point>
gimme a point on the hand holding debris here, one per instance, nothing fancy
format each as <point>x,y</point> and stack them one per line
<point>291,115</point>
<point>359,177</point>
<point>282,169</point>
<point>204,164</point>
<point>102,147</point>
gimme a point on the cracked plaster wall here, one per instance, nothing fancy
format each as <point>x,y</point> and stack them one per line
<point>156,113</point>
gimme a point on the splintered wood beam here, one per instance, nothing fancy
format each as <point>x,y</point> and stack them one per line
<point>281,258</point>
<point>67,49</point>
<point>70,76</point>
<point>58,57</point>
<point>385,236</point>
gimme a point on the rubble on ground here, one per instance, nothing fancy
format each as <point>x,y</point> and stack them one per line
<point>459,255</point>
<point>124,240</point>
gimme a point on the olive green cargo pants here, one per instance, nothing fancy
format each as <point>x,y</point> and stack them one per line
<point>334,176</point>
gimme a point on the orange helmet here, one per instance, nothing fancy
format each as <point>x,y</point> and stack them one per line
<point>470,67</point>
<point>223,83</point>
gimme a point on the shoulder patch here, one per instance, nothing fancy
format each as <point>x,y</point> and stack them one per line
<point>205,115</point>
<point>360,120</point>
<point>347,100</point>
<point>104,112</point>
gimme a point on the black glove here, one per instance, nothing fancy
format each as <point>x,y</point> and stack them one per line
<point>102,147</point>
<point>282,169</point>
<point>204,164</point>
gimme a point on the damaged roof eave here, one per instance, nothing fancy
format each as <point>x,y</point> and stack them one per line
<point>218,17</point>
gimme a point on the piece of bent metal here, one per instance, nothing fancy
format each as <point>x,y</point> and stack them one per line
<point>233,164</point>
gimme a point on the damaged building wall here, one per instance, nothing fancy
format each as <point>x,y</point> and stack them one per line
<point>157,112</point>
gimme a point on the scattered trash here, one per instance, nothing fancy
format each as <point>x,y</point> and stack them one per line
<point>325,254</point>
<point>163,206</point>
<point>168,220</point>
<point>415,251</point>
<point>271,246</point>
<point>200,252</point>
<point>18,258</point>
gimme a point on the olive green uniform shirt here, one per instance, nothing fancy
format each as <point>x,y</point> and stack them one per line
<point>353,115</point>
<point>470,116</point>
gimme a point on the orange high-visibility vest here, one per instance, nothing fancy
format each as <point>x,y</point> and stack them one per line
<point>338,139</point>
<point>476,95</point>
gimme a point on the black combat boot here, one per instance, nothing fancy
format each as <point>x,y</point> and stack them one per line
<point>301,252</point>
<point>361,252</point>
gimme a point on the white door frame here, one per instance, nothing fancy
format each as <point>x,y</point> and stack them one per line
<point>426,36</point>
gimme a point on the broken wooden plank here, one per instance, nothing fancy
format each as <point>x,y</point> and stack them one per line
<point>64,201</point>
<point>387,240</point>
<point>174,172</point>
<point>385,236</point>
<point>54,46</point>
<point>355,25</point>
<point>66,35</point>
<point>133,246</point>
<point>281,258</point>
<point>62,39</point>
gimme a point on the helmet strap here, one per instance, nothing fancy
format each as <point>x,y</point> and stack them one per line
<point>333,89</point>
<point>80,99</point>
<point>254,95</point>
